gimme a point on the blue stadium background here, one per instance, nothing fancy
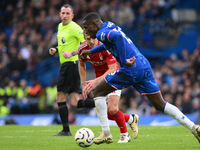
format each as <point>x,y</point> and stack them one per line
<point>162,33</point>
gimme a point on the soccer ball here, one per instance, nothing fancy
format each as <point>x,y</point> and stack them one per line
<point>84,137</point>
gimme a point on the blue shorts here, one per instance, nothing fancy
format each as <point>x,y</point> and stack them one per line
<point>141,79</point>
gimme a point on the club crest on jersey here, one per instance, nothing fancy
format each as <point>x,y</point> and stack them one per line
<point>88,57</point>
<point>110,24</point>
<point>103,36</point>
<point>100,56</point>
<point>63,40</point>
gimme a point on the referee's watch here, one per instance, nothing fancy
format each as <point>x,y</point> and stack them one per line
<point>73,53</point>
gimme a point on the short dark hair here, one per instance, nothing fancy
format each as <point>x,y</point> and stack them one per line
<point>68,6</point>
<point>91,16</point>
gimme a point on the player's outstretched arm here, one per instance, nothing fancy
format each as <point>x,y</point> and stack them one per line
<point>130,62</point>
<point>84,53</point>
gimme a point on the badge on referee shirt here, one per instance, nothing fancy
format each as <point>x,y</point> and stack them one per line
<point>63,40</point>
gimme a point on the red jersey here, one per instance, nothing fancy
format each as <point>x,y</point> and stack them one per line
<point>99,61</point>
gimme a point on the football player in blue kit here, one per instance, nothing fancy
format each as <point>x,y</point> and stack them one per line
<point>135,71</point>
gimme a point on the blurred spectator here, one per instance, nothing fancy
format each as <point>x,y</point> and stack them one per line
<point>34,94</point>
<point>11,93</point>
<point>126,96</point>
<point>168,98</point>
<point>136,5</point>
<point>155,10</point>
<point>22,93</point>
<point>153,111</point>
<point>178,65</point>
<point>51,92</point>
<point>33,59</point>
<point>195,89</point>
<point>18,65</point>
<point>185,56</point>
<point>178,102</point>
<point>35,90</point>
<point>4,66</point>
<point>133,109</point>
<point>3,109</point>
<point>2,96</point>
<point>113,10</point>
<point>104,9</point>
<point>196,105</point>
<point>125,14</point>
<point>144,107</point>
<point>187,102</point>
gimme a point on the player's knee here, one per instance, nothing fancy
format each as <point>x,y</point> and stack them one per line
<point>60,99</point>
<point>112,110</point>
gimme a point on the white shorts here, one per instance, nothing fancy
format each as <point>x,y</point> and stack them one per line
<point>117,93</point>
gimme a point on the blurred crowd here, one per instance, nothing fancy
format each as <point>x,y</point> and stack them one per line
<point>28,29</point>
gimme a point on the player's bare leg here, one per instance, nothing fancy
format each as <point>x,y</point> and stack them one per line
<point>103,89</point>
<point>118,116</point>
<point>159,103</point>
<point>74,98</point>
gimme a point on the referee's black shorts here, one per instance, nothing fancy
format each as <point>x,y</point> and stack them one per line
<point>69,79</point>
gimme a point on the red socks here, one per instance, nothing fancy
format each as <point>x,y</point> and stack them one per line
<point>111,117</point>
<point>126,117</point>
<point>121,119</point>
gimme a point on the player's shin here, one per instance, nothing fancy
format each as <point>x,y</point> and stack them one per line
<point>119,119</point>
<point>101,109</point>
<point>88,103</point>
<point>178,115</point>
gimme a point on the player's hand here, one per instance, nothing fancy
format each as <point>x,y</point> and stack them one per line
<point>52,51</point>
<point>84,53</point>
<point>67,54</point>
<point>90,85</point>
<point>130,62</point>
<point>84,93</point>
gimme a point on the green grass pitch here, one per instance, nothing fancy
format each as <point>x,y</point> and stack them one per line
<point>13,137</point>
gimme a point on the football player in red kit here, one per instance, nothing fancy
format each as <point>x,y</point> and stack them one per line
<point>104,63</point>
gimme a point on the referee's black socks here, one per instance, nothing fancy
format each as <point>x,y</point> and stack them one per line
<point>88,103</point>
<point>63,111</point>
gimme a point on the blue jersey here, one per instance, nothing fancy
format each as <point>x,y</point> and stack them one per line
<point>117,42</point>
<point>139,75</point>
